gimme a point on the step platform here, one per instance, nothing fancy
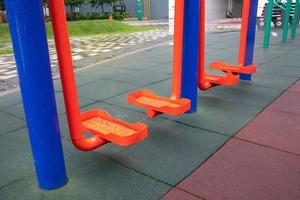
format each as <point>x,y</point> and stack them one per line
<point>99,122</point>
<point>221,66</point>
<point>221,80</point>
<point>156,105</point>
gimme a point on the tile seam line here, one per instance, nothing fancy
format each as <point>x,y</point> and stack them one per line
<point>265,146</point>
<point>16,180</point>
<point>119,94</point>
<point>13,115</point>
<point>184,190</point>
<point>282,111</point>
<point>232,137</point>
<point>131,169</point>
<point>14,130</point>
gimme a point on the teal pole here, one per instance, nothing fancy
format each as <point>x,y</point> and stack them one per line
<point>139,13</point>
<point>268,24</point>
<point>295,21</point>
<point>286,21</point>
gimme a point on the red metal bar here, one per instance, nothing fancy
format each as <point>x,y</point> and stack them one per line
<point>202,84</point>
<point>244,32</point>
<point>61,36</point>
<point>177,50</point>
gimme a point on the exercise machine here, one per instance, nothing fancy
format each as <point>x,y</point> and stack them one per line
<point>232,72</point>
<point>175,105</point>
<point>99,123</point>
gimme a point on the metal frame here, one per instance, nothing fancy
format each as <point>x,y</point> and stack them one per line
<point>28,33</point>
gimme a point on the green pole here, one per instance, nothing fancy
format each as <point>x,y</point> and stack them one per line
<point>286,21</point>
<point>139,7</point>
<point>295,21</point>
<point>268,24</point>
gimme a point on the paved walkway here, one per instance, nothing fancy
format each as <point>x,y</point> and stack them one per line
<point>89,50</point>
<point>243,143</point>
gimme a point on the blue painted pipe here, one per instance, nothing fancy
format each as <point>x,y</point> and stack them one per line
<point>250,38</point>
<point>189,86</point>
<point>28,33</point>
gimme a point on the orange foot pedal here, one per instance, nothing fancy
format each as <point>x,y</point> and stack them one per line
<point>249,69</point>
<point>156,105</point>
<point>221,80</point>
<point>121,133</point>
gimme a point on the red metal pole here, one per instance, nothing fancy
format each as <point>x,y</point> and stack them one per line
<point>177,49</point>
<point>244,32</point>
<point>61,36</point>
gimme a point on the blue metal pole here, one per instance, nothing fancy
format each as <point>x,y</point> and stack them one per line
<point>250,38</point>
<point>189,86</point>
<point>28,33</point>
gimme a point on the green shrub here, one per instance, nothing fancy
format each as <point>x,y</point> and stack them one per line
<point>120,15</point>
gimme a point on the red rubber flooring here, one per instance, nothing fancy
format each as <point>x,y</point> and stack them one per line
<point>261,162</point>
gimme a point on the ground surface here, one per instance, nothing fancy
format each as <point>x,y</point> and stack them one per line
<point>243,143</point>
<point>93,48</point>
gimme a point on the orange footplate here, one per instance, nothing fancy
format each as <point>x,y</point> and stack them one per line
<point>99,122</point>
<point>153,103</point>
<point>221,80</point>
<point>250,69</point>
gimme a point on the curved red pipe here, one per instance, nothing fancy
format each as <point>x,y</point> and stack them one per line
<point>177,49</point>
<point>202,84</point>
<point>62,43</point>
<point>205,85</point>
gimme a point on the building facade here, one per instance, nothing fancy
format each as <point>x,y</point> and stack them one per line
<point>159,9</point>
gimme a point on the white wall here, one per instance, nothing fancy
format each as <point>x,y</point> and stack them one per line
<point>215,9</point>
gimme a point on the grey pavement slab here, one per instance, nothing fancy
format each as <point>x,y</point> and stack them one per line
<point>10,123</point>
<point>170,153</point>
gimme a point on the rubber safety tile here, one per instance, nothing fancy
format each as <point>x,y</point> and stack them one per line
<point>295,87</point>
<point>272,81</point>
<point>218,115</point>
<point>281,70</point>
<point>89,172</point>
<point>16,160</point>
<point>246,94</point>
<point>170,153</point>
<point>104,89</point>
<point>241,170</point>
<point>275,129</point>
<point>287,102</point>
<point>10,123</point>
<point>177,194</point>
<point>18,109</point>
<point>10,99</point>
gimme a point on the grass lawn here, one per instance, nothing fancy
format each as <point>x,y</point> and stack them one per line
<point>81,28</point>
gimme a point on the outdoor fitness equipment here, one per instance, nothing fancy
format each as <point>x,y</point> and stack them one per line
<point>104,127</point>
<point>176,105</point>
<point>207,81</point>
<point>291,12</point>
